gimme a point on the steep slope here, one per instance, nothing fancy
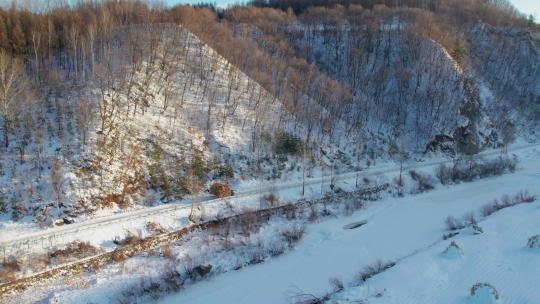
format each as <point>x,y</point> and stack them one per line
<point>402,83</point>
<point>410,71</point>
<point>164,117</point>
<point>508,61</point>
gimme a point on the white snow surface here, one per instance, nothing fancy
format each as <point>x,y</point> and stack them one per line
<point>406,229</point>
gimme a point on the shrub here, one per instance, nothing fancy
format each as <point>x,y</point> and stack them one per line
<point>534,241</point>
<point>287,143</point>
<point>130,239</point>
<point>271,199</point>
<point>155,228</point>
<point>9,269</point>
<point>398,184</point>
<point>463,172</point>
<point>453,223</point>
<point>118,256</point>
<point>506,201</point>
<point>337,285</point>
<point>444,174</point>
<point>293,233</point>
<point>489,209</point>
<point>203,270</point>
<point>425,182</point>
<point>220,190</point>
<point>453,248</point>
<point>74,250</point>
<point>482,290</point>
<point>374,269</point>
<point>37,262</point>
<point>496,166</point>
<point>11,264</point>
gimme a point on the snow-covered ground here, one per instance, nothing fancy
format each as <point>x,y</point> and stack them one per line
<point>499,257</point>
<point>101,230</point>
<point>397,228</point>
<point>402,229</point>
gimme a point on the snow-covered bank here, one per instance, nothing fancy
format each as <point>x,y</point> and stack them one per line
<point>395,228</point>
<point>499,257</point>
<point>99,231</point>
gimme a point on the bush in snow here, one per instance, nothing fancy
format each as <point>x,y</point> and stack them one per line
<point>496,166</point>
<point>444,174</point>
<point>484,293</point>
<point>453,223</point>
<point>534,241</point>
<point>300,297</point>
<point>424,182</point>
<point>154,228</point>
<point>337,285</point>
<point>466,172</point>
<point>476,228</point>
<point>9,267</point>
<point>374,269</point>
<point>469,220</point>
<point>505,202</point>
<point>271,200</point>
<point>293,233</point>
<point>220,190</point>
<point>453,250</point>
<point>130,239</point>
<point>398,184</point>
<point>77,250</point>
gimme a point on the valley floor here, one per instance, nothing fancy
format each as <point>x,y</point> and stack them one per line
<point>409,227</point>
<point>408,230</point>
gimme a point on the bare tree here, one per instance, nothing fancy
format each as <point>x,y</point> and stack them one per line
<point>12,85</point>
<point>84,115</point>
<point>57,181</point>
<point>36,46</point>
<point>111,83</point>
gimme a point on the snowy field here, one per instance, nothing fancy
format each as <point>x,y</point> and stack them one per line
<point>405,228</point>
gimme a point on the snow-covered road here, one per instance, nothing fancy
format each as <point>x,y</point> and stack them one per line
<point>396,228</point>
<point>99,228</point>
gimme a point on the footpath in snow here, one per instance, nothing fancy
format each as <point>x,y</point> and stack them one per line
<point>395,228</point>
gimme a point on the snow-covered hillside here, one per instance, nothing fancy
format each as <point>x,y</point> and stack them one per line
<point>171,116</point>
<point>278,151</point>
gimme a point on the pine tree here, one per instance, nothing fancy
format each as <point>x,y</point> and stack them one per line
<point>459,52</point>
<point>466,137</point>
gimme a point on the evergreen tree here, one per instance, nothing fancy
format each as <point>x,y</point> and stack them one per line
<point>466,137</point>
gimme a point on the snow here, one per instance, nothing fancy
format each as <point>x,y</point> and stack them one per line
<point>499,257</point>
<point>398,228</point>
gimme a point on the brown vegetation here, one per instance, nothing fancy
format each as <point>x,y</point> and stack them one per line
<point>220,190</point>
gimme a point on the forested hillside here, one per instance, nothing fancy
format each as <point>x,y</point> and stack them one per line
<point>124,104</point>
